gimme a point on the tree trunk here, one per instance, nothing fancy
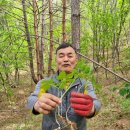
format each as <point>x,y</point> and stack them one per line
<point>75,23</point>
<point>42,39</point>
<point>63,21</point>
<point>29,42</point>
<point>51,38</point>
<point>35,9</point>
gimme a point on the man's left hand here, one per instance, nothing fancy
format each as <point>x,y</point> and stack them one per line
<point>82,103</point>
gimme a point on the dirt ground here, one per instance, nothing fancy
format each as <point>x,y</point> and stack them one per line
<point>15,116</point>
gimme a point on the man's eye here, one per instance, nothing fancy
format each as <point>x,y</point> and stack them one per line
<point>70,56</point>
<point>61,56</point>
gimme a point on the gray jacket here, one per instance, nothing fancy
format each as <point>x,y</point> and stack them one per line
<point>49,121</point>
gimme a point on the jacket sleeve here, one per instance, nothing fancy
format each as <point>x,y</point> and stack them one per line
<point>33,97</point>
<point>91,92</point>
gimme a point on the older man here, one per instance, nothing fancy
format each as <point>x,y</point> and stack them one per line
<point>79,106</point>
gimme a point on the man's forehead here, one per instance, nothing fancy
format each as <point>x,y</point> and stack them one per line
<point>67,50</point>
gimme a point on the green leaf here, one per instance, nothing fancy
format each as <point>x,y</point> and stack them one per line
<point>127,86</point>
<point>10,92</point>
<point>75,72</point>
<point>61,75</point>
<point>87,70</point>
<point>128,96</point>
<point>62,85</point>
<point>114,89</point>
<point>70,76</point>
<point>46,84</point>
<point>123,92</point>
<point>71,80</point>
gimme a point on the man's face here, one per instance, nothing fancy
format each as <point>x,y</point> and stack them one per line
<point>66,59</point>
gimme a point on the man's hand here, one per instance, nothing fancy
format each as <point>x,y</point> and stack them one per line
<point>82,104</point>
<point>46,103</point>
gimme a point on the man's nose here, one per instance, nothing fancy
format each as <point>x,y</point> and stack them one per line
<point>66,58</point>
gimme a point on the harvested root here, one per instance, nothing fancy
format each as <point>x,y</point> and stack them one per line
<point>65,124</point>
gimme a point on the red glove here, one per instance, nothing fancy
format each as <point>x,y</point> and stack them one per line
<point>81,103</point>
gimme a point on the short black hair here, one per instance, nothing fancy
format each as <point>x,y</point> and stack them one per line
<point>65,45</point>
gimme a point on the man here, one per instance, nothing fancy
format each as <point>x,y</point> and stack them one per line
<point>79,106</point>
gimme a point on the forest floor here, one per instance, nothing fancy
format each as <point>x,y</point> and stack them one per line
<point>114,114</point>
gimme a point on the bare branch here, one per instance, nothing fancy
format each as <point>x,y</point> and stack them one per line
<point>85,57</point>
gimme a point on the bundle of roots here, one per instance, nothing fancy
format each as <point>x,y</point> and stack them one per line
<point>65,124</point>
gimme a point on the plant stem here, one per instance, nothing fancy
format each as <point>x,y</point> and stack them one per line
<point>66,91</point>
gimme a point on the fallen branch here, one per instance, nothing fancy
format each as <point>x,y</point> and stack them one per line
<point>104,68</point>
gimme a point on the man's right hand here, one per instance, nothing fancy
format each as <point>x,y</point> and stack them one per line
<point>46,103</point>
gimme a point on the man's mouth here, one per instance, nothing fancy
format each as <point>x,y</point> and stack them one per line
<point>66,65</point>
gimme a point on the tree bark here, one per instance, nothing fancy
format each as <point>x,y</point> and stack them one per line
<point>29,43</point>
<point>42,39</point>
<point>75,23</point>
<point>63,21</point>
<point>51,38</point>
<point>35,9</point>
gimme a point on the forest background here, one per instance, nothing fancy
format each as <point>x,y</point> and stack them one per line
<point>30,30</point>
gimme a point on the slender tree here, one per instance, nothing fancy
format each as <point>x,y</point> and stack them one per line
<point>75,23</point>
<point>30,50</point>
<point>35,10</point>
<point>51,37</point>
<point>42,39</point>
<point>63,20</point>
